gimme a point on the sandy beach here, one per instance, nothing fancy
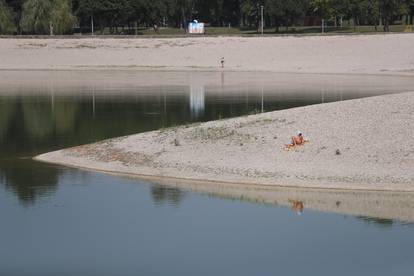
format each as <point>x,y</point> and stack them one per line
<point>355,144</point>
<point>368,54</point>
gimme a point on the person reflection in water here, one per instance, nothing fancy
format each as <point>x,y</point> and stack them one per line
<point>297,206</point>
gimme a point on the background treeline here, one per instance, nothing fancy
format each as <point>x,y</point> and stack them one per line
<point>125,16</point>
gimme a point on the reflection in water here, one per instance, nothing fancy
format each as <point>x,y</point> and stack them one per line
<point>6,112</point>
<point>375,207</point>
<point>197,102</point>
<point>94,224</point>
<point>166,195</point>
<point>28,180</point>
<point>44,111</point>
<point>102,226</point>
<point>378,221</point>
<point>297,206</point>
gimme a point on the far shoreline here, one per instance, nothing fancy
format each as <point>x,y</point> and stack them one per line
<point>374,54</point>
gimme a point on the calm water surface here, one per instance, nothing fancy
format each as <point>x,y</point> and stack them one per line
<point>60,221</point>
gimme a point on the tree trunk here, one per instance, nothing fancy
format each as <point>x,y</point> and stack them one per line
<point>101,26</point>
<point>386,25</point>
<point>184,19</point>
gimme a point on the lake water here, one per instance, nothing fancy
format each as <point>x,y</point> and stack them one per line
<point>61,221</point>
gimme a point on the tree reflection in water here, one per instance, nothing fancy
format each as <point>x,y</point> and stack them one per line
<point>28,180</point>
<point>30,125</point>
<point>166,195</point>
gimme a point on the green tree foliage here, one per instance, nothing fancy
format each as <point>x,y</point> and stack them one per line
<point>410,4</point>
<point>39,16</point>
<point>62,18</point>
<point>6,19</point>
<point>323,8</point>
<point>121,16</point>
<point>249,12</point>
<point>36,16</point>
<point>276,12</point>
<point>286,12</point>
<point>389,9</point>
<point>362,12</point>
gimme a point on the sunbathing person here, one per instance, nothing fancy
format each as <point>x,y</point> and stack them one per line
<point>297,140</point>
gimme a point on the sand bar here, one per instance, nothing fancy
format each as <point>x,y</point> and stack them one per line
<point>350,54</point>
<point>373,136</point>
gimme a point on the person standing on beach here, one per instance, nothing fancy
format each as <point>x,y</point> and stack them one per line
<point>222,62</point>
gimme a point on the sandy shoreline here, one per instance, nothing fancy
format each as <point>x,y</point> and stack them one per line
<point>347,54</point>
<point>249,149</point>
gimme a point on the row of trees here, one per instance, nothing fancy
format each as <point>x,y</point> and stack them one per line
<point>36,16</point>
<point>60,16</point>
<point>366,12</point>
